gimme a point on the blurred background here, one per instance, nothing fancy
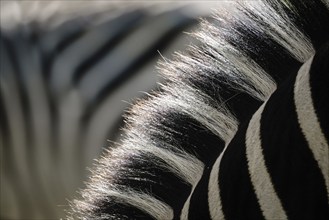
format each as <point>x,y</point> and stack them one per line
<point>69,70</point>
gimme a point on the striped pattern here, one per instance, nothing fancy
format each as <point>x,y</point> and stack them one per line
<point>309,122</point>
<point>243,108</point>
<point>65,69</point>
<point>269,202</point>
<point>238,128</point>
<point>245,111</point>
<point>299,190</point>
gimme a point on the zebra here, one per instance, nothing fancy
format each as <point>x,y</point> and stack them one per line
<point>237,130</point>
<point>65,67</point>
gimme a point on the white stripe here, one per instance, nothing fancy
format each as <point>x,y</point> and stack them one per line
<point>214,202</point>
<point>186,207</point>
<point>309,122</point>
<point>269,202</point>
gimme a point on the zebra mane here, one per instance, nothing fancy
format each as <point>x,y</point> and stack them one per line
<point>174,135</point>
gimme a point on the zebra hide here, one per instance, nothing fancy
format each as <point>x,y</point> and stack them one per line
<point>238,130</point>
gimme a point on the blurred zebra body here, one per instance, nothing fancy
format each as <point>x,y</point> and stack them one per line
<point>64,74</point>
<point>238,130</point>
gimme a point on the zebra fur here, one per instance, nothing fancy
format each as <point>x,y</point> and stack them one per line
<point>179,143</point>
<point>60,95</point>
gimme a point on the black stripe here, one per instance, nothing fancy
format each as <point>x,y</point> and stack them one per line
<point>312,18</point>
<point>319,81</point>
<point>122,211</point>
<point>237,194</point>
<point>50,99</point>
<point>141,175</point>
<point>9,47</point>
<point>295,174</point>
<point>54,42</point>
<point>147,55</point>
<point>266,52</point>
<point>9,54</point>
<point>28,62</point>
<point>184,133</point>
<point>51,43</point>
<point>4,125</point>
<point>194,138</point>
<point>199,208</point>
<point>118,29</point>
<point>178,129</point>
<point>213,84</point>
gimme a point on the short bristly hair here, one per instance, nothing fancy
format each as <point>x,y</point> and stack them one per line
<point>174,137</point>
